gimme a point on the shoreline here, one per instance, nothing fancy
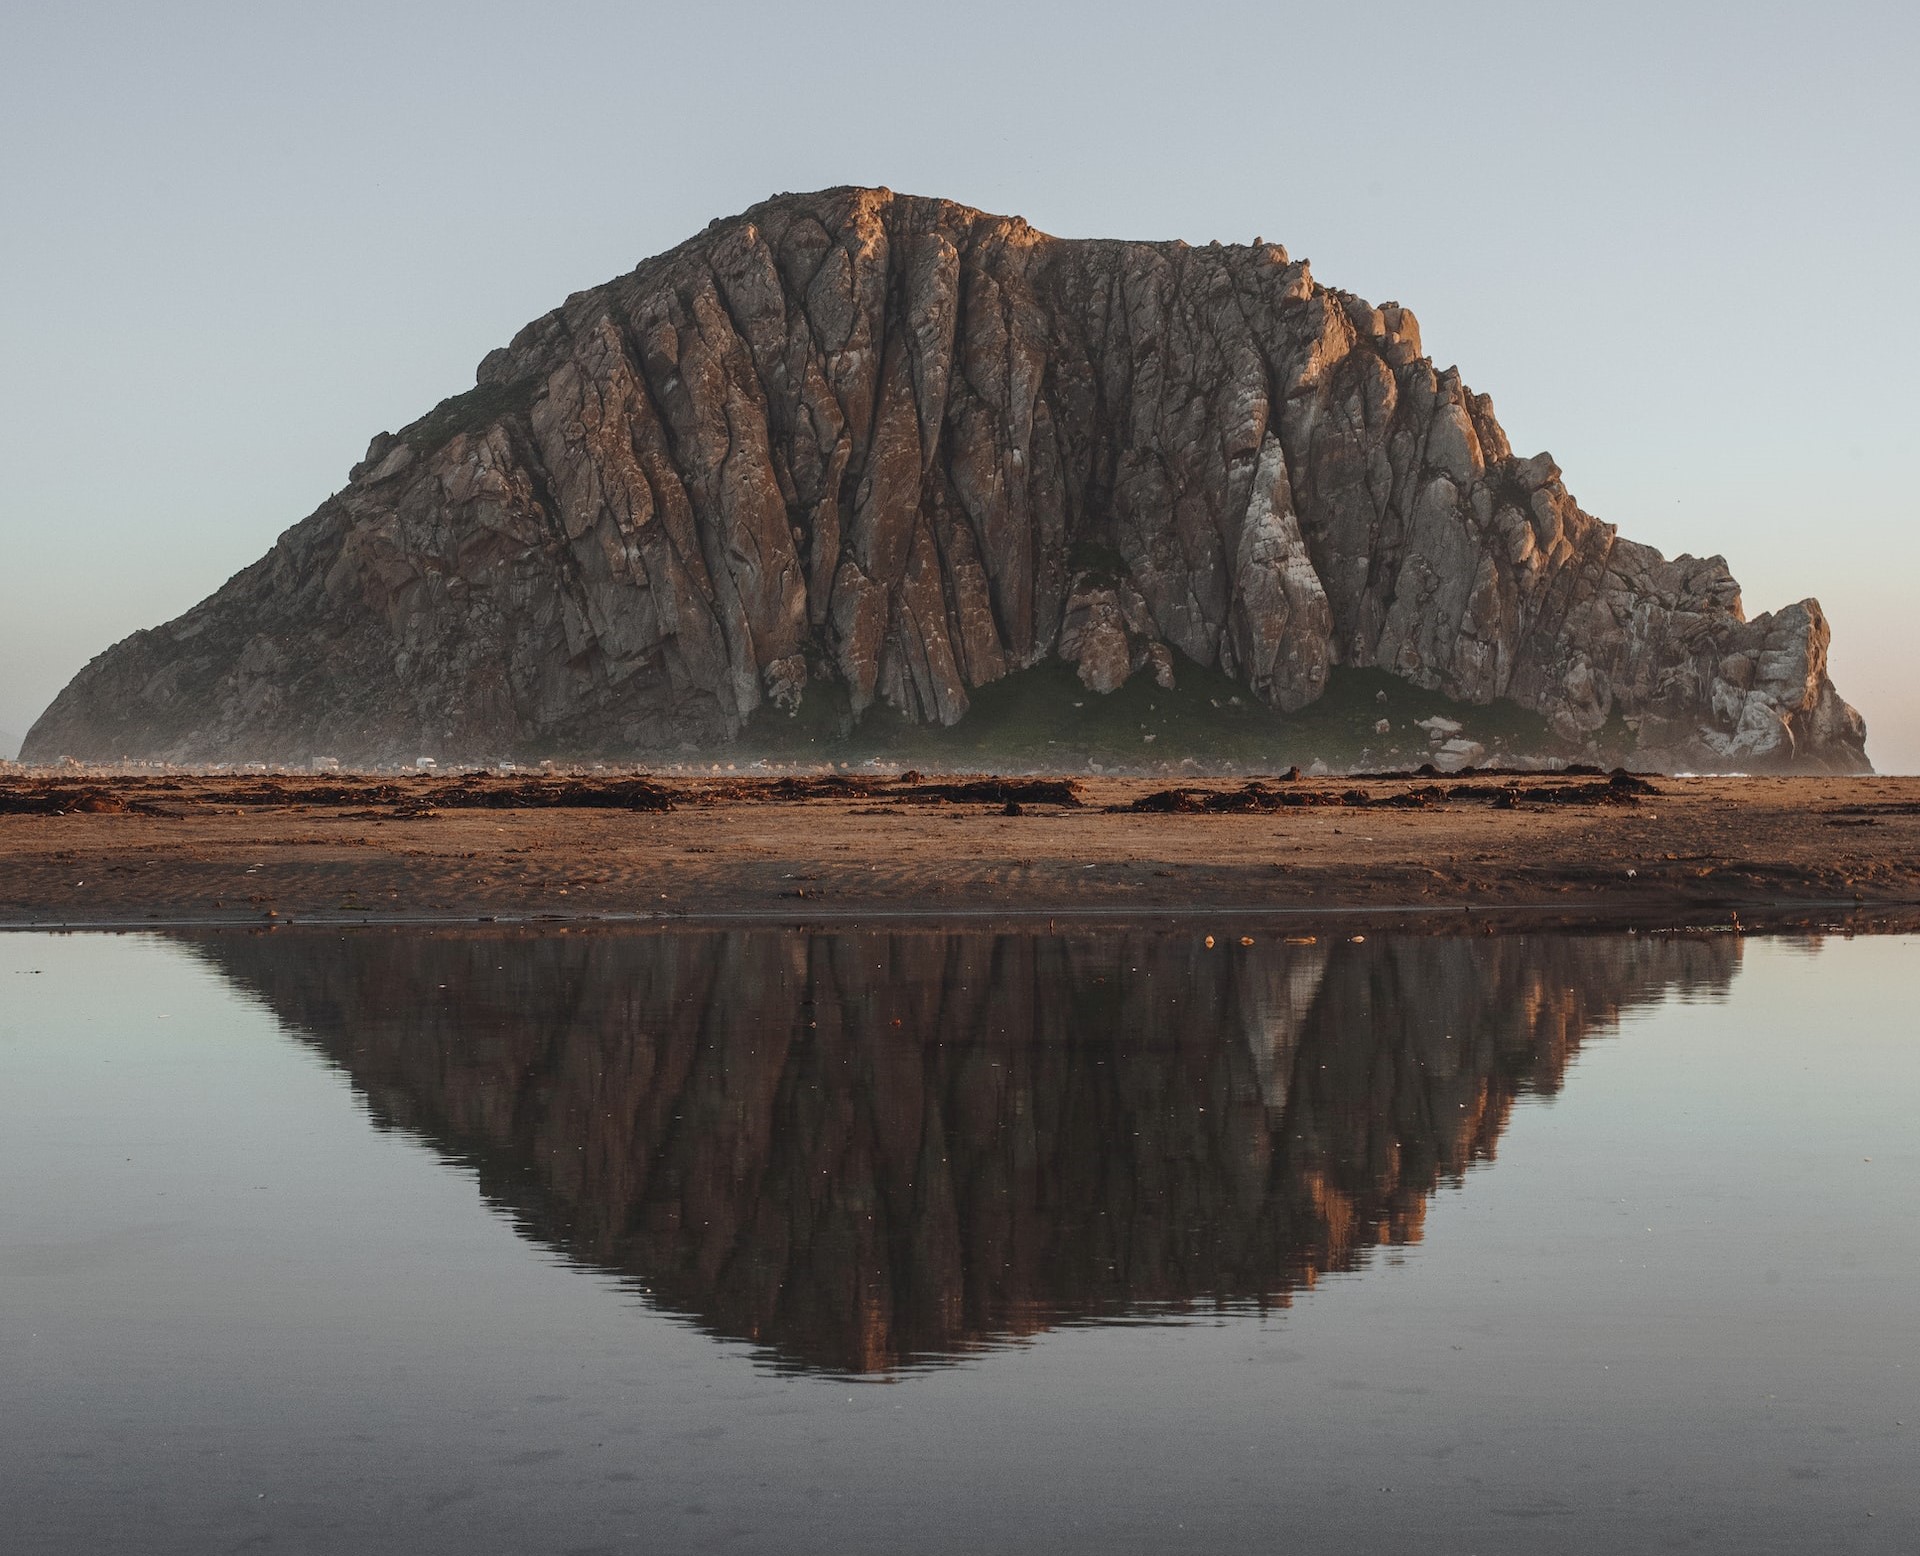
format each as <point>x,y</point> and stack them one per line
<point>1475,849</point>
<point>1813,917</point>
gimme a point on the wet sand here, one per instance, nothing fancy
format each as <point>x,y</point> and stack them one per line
<point>1528,849</point>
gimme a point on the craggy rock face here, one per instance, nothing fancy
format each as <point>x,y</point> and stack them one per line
<point>876,439</point>
<point>867,1149</point>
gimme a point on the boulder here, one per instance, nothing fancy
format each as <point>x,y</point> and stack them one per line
<point>1452,755</point>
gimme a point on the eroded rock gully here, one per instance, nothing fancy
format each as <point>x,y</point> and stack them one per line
<point>899,448</point>
<point>872,1148</point>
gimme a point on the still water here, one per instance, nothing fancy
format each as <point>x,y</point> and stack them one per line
<point>472,1241</point>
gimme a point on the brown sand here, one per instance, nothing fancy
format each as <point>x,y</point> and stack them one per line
<point>1763,852</point>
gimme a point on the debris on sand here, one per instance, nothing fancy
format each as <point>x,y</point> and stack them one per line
<point>547,794</point>
<point>34,800</point>
<point>993,791</point>
<point>1619,788</point>
<point>415,797</point>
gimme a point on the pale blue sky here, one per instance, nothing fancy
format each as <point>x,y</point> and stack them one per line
<point>1675,242</point>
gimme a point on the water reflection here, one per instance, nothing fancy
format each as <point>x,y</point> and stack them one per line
<point>870,1150</point>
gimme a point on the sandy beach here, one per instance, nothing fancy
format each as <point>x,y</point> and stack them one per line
<point>92,850</point>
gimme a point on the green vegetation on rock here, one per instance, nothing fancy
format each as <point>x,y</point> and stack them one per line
<point>469,412</point>
<point>1044,719</point>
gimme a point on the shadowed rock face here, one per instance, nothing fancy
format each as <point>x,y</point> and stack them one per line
<point>906,448</point>
<point>866,1150</point>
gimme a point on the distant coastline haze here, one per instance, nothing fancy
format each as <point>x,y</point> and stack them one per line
<point>1670,244</point>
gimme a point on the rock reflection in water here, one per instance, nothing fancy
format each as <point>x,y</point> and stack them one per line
<point>865,1150</point>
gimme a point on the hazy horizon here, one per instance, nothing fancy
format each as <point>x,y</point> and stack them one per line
<point>1669,246</point>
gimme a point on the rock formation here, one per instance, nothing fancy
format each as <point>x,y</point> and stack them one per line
<point>869,1149</point>
<point>900,448</point>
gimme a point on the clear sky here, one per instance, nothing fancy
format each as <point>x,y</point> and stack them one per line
<point>1675,242</point>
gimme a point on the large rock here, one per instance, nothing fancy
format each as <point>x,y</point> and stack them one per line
<point>875,438</point>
